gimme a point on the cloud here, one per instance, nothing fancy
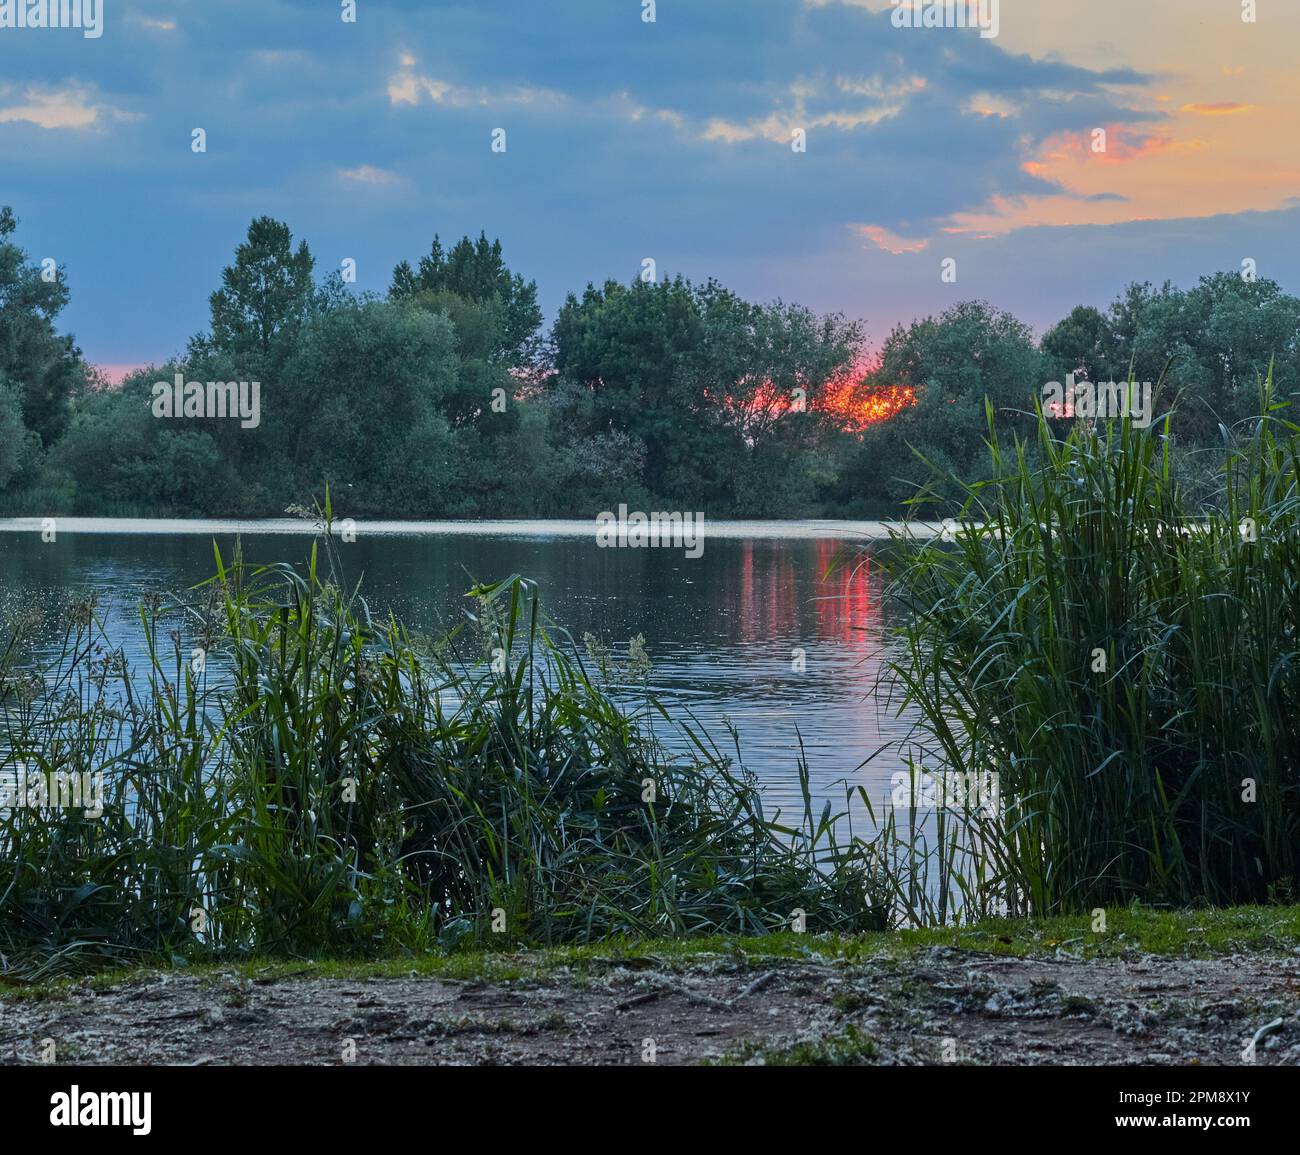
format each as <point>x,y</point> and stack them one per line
<point>886,100</point>
<point>69,107</point>
<point>407,86</point>
<point>279,56</point>
<point>1224,108</point>
<point>987,104</point>
<point>1123,146</point>
<point>890,242</point>
<point>369,174</point>
<point>151,24</point>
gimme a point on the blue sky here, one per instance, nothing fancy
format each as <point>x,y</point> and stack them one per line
<point>670,140</point>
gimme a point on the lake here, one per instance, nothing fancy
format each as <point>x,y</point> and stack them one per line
<point>762,631</point>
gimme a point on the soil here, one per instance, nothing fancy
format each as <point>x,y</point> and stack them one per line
<point>934,1006</point>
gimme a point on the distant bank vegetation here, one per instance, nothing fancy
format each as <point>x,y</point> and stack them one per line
<point>445,397</point>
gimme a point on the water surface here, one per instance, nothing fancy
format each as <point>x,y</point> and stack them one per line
<point>778,629</point>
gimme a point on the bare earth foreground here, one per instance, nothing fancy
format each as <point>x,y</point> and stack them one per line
<point>936,1005</point>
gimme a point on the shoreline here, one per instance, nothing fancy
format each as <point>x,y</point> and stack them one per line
<point>529,528</point>
<point>1196,988</point>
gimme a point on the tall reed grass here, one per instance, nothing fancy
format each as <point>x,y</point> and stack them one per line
<point>292,775</point>
<point>1125,661</point>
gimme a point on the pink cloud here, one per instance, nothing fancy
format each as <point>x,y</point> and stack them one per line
<point>889,241</point>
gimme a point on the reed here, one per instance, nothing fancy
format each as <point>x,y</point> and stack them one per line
<point>1124,660</point>
<point>292,775</point>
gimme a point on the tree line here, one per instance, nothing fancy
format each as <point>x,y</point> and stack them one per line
<point>446,396</point>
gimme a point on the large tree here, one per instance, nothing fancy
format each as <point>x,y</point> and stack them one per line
<point>364,392</point>
<point>1223,334</point>
<point>45,367</point>
<point>265,297</point>
<point>717,396</point>
<point>636,349</point>
<point>1081,344</point>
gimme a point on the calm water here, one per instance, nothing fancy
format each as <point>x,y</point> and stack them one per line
<point>722,631</point>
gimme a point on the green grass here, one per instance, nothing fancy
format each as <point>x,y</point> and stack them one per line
<point>347,790</point>
<point>1202,934</point>
<point>1125,661</point>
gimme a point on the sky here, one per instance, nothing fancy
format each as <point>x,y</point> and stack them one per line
<point>669,140</point>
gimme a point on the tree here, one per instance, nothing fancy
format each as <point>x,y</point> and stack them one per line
<point>955,362</point>
<point>638,350</point>
<point>476,271</point>
<point>1223,334</point>
<point>163,467</point>
<point>361,409</point>
<point>1081,344</point>
<point>265,297</point>
<point>766,371</point>
<point>46,367</point>
<point>18,444</point>
<point>703,384</point>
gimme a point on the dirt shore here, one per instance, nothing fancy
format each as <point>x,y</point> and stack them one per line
<point>937,1005</point>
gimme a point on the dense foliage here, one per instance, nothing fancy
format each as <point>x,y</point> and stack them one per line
<point>446,397</point>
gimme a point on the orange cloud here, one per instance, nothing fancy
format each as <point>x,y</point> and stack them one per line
<point>1123,145</point>
<point>1224,108</point>
<point>1189,162</point>
<point>890,242</point>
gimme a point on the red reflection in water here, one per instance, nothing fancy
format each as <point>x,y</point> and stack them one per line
<point>847,607</point>
<point>747,590</point>
<point>840,605</point>
<point>769,598</point>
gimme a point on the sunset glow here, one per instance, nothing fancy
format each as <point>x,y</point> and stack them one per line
<point>860,405</point>
<point>848,398</point>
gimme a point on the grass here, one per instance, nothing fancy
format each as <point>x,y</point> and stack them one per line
<point>340,789</point>
<point>1120,659</point>
<point>1200,934</point>
<point>1123,662</point>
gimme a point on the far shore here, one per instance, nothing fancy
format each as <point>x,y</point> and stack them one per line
<point>288,526</point>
